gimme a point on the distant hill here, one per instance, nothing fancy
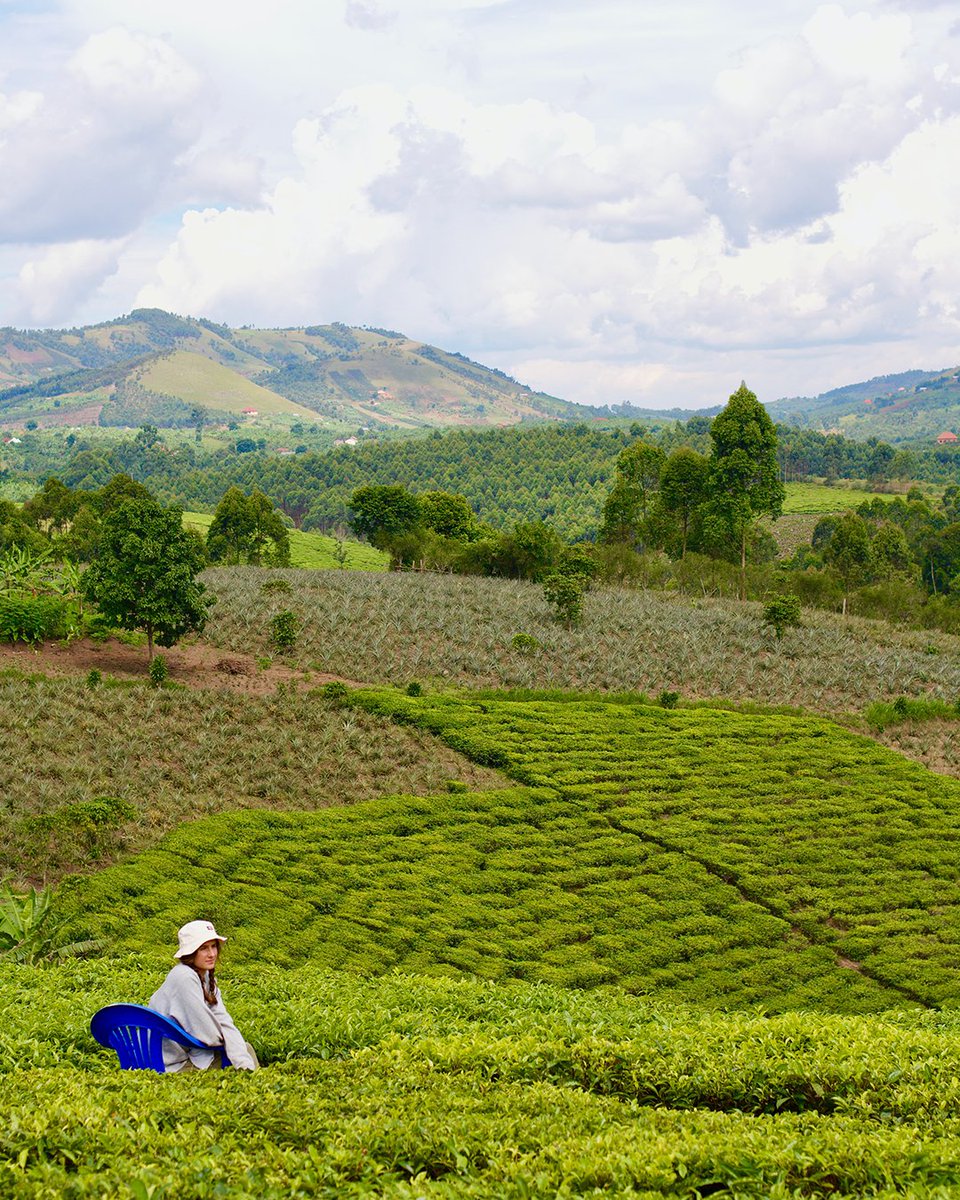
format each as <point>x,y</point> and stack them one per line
<point>914,407</point>
<point>153,366</point>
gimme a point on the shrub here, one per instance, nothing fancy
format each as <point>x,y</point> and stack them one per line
<point>158,671</point>
<point>781,612</point>
<point>525,643</point>
<point>284,630</point>
<point>414,689</point>
<point>94,678</point>
<point>275,585</point>
<point>335,690</point>
<point>86,829</point>
<point>32,618</point>
<point>565,593</point>
<point>668,699</point>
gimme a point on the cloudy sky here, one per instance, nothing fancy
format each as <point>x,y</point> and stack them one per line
<point>624,200</point>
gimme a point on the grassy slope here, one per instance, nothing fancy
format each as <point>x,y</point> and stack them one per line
<point>410,1088</point>
<point>314,551</point>
<point>174,755</point>
<point>196,379</point>
<point>816,498</point>
<point>450,1087</point>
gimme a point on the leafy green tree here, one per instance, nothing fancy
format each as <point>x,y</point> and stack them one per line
<point>144,575</point>
<point>683,488</point>
<point>248,529</point>
<point>530,551</point>
<point>53,507</point>
<point>147,437</point>
<point>269,540</point>
<point>744,479</point>
<point>229,534</point>
<point>380,511</point>
<point>627,508</point>
<point>117,490</point>
<point>79,543</point>
<point>891,551</point>
<point>941,559</point>
<point>15,530</point>
<point>849,552</point>
<point>450,515</point>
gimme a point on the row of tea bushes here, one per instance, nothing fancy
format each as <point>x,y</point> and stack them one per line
<point>852,844</point>
<point>402,1086</point>
<point>510,884</point>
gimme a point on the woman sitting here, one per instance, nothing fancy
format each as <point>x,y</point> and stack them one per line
<point>190,995</point>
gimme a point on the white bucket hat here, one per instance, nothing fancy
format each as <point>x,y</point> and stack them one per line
<point>192,936</point>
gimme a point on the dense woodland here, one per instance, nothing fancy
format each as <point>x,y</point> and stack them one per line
<point>560,473</point>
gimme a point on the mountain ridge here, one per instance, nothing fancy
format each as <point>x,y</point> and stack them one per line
<point>151,366</point>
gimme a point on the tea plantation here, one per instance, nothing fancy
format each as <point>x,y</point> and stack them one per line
<point>408,1087</point>
<point>700,855</point>
<point>687,951</point>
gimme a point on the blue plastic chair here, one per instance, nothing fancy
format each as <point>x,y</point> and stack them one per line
<point>137,1034</point>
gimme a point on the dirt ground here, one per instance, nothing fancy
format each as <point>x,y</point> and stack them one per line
<point>195,665</point>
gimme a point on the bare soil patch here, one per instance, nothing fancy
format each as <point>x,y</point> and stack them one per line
<point>195,665</point>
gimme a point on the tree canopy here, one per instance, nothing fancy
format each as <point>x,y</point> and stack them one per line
<point>744,476</point>
<point>248,529</point>
<point>144,573</point>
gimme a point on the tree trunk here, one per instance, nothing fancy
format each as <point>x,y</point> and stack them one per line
<point>149,641</point>
<point>743,564</point>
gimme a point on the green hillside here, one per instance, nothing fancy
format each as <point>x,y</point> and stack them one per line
<point>913,407</point>
<point>197,379</point>
<point>559,473</point>
<point>315,551</point>
<point>400,627</point>
<point>494,944</point>
<point>153,366</point>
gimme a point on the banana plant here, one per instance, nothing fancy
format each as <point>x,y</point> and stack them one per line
<point>29,931</point>
<point>23,570</point>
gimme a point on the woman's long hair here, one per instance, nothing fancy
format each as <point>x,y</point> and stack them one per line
<point>208,979</point>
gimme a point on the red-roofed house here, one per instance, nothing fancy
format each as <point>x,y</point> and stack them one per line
<point>947,438</point>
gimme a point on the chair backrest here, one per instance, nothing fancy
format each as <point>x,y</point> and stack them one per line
<point>137,1034</point>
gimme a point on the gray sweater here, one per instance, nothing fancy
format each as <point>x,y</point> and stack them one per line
<point>181,996</point>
